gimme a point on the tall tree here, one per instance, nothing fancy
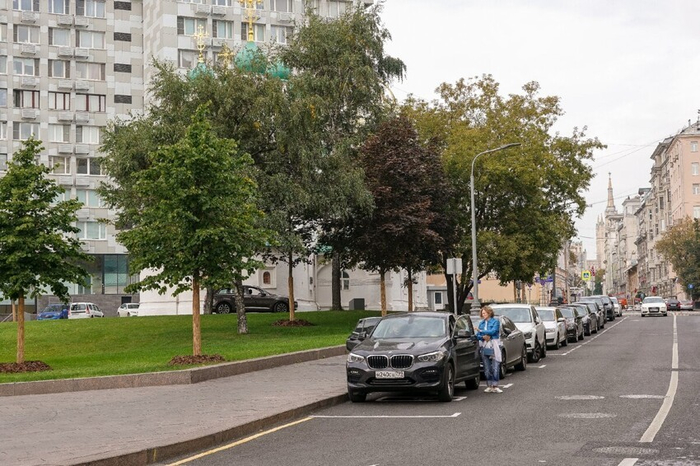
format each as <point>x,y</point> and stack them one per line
<point>526,199</point>
<point>680,245</point>
<point>39,248</point>
<point>196,223</point>
<point>405,180</point>
<point>340,72</point>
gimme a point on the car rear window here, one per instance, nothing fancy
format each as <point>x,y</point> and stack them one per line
<point>546,315</point>
<point>518,315</point>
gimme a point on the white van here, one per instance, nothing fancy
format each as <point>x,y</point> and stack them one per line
<point>84,311</point>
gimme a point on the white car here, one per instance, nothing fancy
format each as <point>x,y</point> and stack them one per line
<point>84,311</point>
<point>654,306</point>
<point>525,317</point>
<point>616,305</point>
<point>128,310</point>
<point>555,326</point>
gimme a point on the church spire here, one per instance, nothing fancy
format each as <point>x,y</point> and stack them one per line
<point>610,209</point>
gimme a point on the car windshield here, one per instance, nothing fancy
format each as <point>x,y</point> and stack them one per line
<point>518,315</point>
<point>653,299</point>
<point>410,327</point>
<point>567,312</point>
<point>546,314</point>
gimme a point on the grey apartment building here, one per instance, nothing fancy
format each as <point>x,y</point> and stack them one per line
<point>67,67</point>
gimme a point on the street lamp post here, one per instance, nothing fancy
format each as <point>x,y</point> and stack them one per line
<point>475,272</point>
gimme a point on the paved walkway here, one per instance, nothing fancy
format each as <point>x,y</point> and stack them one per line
<point>133,426</point>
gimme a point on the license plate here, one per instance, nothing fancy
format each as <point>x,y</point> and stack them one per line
<point>389,374</point>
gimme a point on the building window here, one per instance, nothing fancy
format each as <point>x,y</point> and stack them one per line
<point>25,5</point>
<point>3,32</point>
<point>187,58</point>
<point>3,161</point>
<point>3,64</point>
<point>88,135</point>
<point>88,167</point>
<point>696,188</point>
<point>91,230</point>
<point>258,32</point>
<point>59,133</point>
<point>26,99</point>
<point>59,37</point>
<point>346,280</point>
<point>223,29</point>
<point>193,1</point>
<point>91,39</point>
<point>221,2</point>
<point>122,36</point>
<point>695,168</point>
<point>190,26</point>
<point>88,197</point>
<point>696,211</point>
<point>3,130</point>
<point>59,100</point>
<point>59,7</point>
<point>438,298</point>
<point>266,278</point>
<point>90,71</point>
<point>91,8</point>
<point>26,66</point>
<point>90,102</point>
<point>281,5</point>
<point>25,34</point>
<point>280,34</point>
<point>336,8</point>
<point>60,165</point>
<point>693,146</point>
<point>3,97</point>
<point>21,131</point>
<point>59,69</point>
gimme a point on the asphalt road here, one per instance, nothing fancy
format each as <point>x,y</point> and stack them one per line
<point>617,398</point>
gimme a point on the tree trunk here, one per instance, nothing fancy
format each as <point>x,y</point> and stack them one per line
<point>14,310</point>
<point>290,284</point>
<point>336,282</point>
<point>196,319</point>
<point>382,287</point>
<point>240,308</point>
<point>20,329</point>
<point>208,300</point>
<point>410,291</point>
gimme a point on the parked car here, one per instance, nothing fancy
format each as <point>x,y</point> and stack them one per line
<point>617,306</point>
<point>597,310</point>
<point>608,304</point>
<point>415,352</point>
<point>128,310</point>
<point>589,319</point>
<point>607,313</point>
<point>528,321</point>
<point>654,306</point>
<point>84,311</point>
<point>54,312</point>
<point>512,345</point>
<point>574,323</point>
<point>254,299</point>
<point>555,326</point>
<point>363,329</point>
<point>672,304</point>
<point>687,305</point>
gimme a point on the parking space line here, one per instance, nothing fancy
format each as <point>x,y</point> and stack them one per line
<point>389,417</point>
<point>542,366</point>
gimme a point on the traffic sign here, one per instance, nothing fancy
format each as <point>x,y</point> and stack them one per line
<point>586,275</point>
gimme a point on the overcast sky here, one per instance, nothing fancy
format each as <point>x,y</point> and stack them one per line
<point>629,70</point>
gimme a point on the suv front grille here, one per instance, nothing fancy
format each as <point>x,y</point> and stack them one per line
<point>402,361</point>
<point>377,362</point>
<point>399,361</point>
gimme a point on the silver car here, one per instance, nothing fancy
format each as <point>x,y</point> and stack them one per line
<point>528,321</point>
<point>513,347</point>
<point>555,326</point>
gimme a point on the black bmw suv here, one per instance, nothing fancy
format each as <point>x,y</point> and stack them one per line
<point>415,352</point>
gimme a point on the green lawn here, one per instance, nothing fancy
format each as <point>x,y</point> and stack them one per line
<point>95,347</point>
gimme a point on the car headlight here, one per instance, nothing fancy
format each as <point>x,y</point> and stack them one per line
<point>355,358</point>
<point>435,356</point>
<point>528,335</point>
<point>550,330</point>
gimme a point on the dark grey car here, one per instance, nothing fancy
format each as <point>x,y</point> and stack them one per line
<point>254,299</point>
<point>512,344</point>
<point>574,323</point>
<point>601,306</point>
<point>590,321</point>
<point>363,329</point>
<point>416,352</point>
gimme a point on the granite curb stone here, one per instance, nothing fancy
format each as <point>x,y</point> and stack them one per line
<point>180,377</point>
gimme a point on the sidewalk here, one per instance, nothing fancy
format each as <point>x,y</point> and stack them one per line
<point>135,426</point>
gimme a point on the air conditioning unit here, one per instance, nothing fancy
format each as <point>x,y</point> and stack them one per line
<point>29,49</point>
<point>202,9</point>
<point>65,51</point>
<point>30,113</point>
<point>81,85</point>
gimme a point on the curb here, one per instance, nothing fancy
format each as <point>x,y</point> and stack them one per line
<point>180,377</point>
<point>171,451</point>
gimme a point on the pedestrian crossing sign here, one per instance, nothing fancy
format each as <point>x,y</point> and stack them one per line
<point>586,275</point>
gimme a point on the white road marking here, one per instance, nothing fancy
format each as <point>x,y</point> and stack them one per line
<point>507,386</point>
<point>542,366</point>
<point>588,415</point>
<point>579,397</point>
<point>459,398</point>
<point>629,462</point>
<point>385,417</point>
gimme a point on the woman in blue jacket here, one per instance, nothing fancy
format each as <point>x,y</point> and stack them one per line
<point>488,336</point>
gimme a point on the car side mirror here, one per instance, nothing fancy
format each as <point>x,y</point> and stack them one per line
<point>361,336</point>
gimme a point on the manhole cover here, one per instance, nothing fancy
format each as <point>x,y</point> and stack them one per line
<point>627,451</point>
<point>580,397</point>
<point>587,415</point>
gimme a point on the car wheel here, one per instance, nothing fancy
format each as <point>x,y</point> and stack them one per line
<point>224,308</point>
<point>356,397</point>
<point>580,337</point>
<point>587,330</point>
<point>535,356</point>
<point>280,307</point>
<point>503,367</point>
<point>447,389</point>
<point>566,341</point>
<point>544,349</point>
<point>522,365</point>
<point>556,342</point>
<point>473,383</point>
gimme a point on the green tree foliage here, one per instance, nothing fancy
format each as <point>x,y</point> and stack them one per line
<point>680,245</point>
<point>340,74</point>
<point>599,277</point>
<point>406,182</point>
<point>196,224</point>
<point>38,244</point>
<point>527,197</point>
